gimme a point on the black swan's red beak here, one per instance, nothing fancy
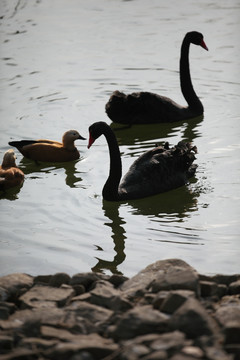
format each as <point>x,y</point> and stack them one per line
<point>90,141</point>
<point>203,45</point>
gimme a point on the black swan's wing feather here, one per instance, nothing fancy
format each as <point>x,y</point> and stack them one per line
<point>143,107</point>
<point>159,170</point>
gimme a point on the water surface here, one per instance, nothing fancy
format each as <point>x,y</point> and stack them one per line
<point>59,62</point>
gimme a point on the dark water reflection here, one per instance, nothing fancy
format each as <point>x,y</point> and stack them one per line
<point>176,204</point>
<point>111,211</point>
<point>31,167</point>
<point>141,133</point>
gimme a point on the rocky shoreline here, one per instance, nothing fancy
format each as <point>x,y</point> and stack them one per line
<point>167,311</point>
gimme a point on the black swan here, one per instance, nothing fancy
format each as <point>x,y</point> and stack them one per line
<point>157,170</point>
<point>50,150</point>
<point>147,107</point>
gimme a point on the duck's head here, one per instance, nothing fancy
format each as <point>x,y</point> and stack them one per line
<point>70,136</point>
<point>9,159</point>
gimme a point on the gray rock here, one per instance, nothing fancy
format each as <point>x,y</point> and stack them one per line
<point>104,294</point>
<point>58,279</point>
<point>14,283</point>
<point>140,320</point>
<point>162,275</point>
<point>177,277</point>
<point>174,300</point>
<point>28,321</point>
<point>228,310</point>
<point>234,287</point>
<point>117,279</point>
<point>6,343</point>
<point>96,317</point>
<point>208,288</point>
<point>86,279</point>
<point>94,344</point>
<point>46,297</point>
<point>192,319</point>
<point>156,355</point>
<point>169,342</point>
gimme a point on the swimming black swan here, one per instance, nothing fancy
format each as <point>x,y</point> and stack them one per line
<point>157,170</point>
<point>147,108</point>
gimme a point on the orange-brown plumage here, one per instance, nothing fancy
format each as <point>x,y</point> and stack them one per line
<point>50,150</point>
<point>10,174</point>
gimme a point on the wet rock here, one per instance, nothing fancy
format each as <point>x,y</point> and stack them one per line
<point>192,319</point>
<point>117,279</point>
<point>228,310</point>
<point>85,279</point>
<point>234,287</point>
<point>174,300</point>
<point>104,294</point>
<point>140,320</point>
<point>93,344</point>
<point>46,297</point>
<point>13,285</point>
<point>162,275</point>
<point>159,314</point>
<point>177,277</point>
<point>58,279</point>
<point>96,317</point>
<point>193,351</point>
<point>208,288</point>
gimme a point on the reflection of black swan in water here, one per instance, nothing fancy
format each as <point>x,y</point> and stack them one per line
<point>157,170</point>
<point>146,107</point>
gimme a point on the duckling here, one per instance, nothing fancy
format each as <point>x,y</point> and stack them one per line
<point>10,174</point>
<point>50,150</point>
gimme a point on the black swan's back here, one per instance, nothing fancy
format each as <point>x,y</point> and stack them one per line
<point>147,107</point>
<point>144,108</point>
<point>159,170</point>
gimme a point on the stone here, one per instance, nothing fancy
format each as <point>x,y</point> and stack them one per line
<point>156,355</point>
<point>157,315</point>
<point>234,287</point>
<point>169,342</point>
<point>162,275</point>
<point>58,279</point>
<point>232,332</point>
<point>28,321</point>
<point>192,319</point>
<point>228,311</point>
<point>117,280</point>
<point>194,351</point>
<point>208,288</point>
<point>96,317</point>
<point>14,283</point>
<point>140,320</point>
<point>42,279</point>
<point>85,279</point>
<point>174,300</point>
<point>94,344</point>
<point>6,343</point>
<point>46,296</point>
<point>104,294</point>
<point>177,277</point>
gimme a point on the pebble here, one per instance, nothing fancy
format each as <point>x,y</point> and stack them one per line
<point>166,311</point>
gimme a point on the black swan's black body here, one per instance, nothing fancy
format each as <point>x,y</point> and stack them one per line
<point>158,170</point>
<point>147,107</point>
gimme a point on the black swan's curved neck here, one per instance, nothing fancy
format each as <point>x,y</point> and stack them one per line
<point>185,79</point>
<point>110,189</point>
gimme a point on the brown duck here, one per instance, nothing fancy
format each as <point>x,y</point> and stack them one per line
<point>50,150</point>
<point>10,174</point>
